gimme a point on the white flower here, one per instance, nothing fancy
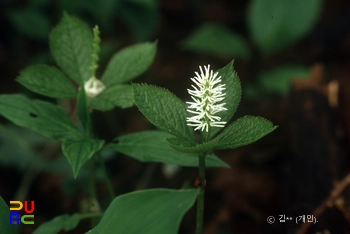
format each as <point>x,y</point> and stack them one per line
<point>206,99</point>
<point>93,87</point>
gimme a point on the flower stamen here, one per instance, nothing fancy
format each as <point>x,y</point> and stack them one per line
<point>205,100</point>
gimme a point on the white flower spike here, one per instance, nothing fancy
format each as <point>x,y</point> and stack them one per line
<point>206,99</point>
<point>93,87</point>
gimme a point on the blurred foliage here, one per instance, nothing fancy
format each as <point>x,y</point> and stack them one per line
<point>141,16</point>
<point>17,147</point>
<point>30,22</point>
<point>274,25</point>
<point>35,19</point>
<point>276,81</point>
<point>217,40</point>
<point>24,149</point>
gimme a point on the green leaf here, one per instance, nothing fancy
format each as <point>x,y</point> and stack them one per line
<point>62,222</point>
<point>129,63</point>
<point>183,146</point>
<point>71,46</point>
<point>279,80</point>
<point>163,109</point>
<point>48,81</point>
<point>116,95</point>
<point>147,212</point>
<point>43,117</point>
<point>5,225</point>
<point>78,152</point>
<point>233,95</point>
<point>149,146</point>
<point>275,24</point>
<point>217,40</point>
<point>30,22</point>
<point>244,131</point>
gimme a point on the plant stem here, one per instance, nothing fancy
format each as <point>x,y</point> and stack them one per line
<point>92,188</point>
<point>26,183</point>
<point>92,178</point>
<point>106,177</point>
<point>200,198</point>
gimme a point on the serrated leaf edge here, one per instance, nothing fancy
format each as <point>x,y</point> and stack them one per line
<point>228,146</point>
<point>164,129</point>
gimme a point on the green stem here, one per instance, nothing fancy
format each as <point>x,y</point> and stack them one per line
<point>200,198</point>
<point>26,183</point>
<point>92,188</point>
<point>92,178</point>
<point>106,177</point>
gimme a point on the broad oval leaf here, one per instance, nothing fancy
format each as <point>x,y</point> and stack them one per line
<point>153,210</point>
<point>40,116</point>
<point>62,222</point>
<point>233,95</point>
<point>71,46</point>
<point>244,131</point>
<point>216,39</point>
<point>48,81</point>
<point>78,152</point>
<point>149,146</point>
<point>275,24</point>
<point>113,96</point>
<point>129,63</point>
<point>163,109</point>
<point>5,225</point>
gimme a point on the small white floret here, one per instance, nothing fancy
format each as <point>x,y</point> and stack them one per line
<point>93,87</point>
